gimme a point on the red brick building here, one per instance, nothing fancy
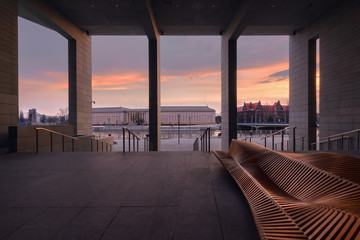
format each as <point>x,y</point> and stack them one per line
<point>258,113</point>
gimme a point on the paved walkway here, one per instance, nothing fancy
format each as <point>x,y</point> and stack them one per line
<point>153,195</point>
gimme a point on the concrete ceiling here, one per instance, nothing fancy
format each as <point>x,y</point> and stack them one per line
<point>192,17</point>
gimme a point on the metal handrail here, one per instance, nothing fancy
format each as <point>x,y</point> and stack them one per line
<point>133,135</point>
<point>282,130</point>
<point>282,138</point>
<point>205,140</point>
<point>245,139</point>
<point>196,145</point>
<point>339,136</point>
<point>73,139</point>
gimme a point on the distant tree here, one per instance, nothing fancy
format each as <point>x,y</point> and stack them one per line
<point>63,115</point>
<point>21,117</point>
<point>52,120</point>
<point>218,119</point>
<point>43,118</point>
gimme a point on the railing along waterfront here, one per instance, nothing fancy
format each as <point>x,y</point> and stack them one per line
<point>339,138</point>
<point>205,140</point>
<point>135,140</point>
<point>108,147</point>
<point>282,138</point>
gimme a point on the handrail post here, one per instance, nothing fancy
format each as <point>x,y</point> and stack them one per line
<point>294,141</point>
<point>73,144</point>
<point>273,142</point>
<point>137,141</point>
<point>302,143</point>
<point>205,137</point>
<point>129,140</point>
<point>102,146</point>
<point>37,141</point>
<point>63,143</point>
<point>329,146</point>
<point>342,142</point>
<point>51,142</point>
<point>91,145</point>
<point>133,143</point>
<point>358,140</point>
<point>282,141</point>
<point>209,139</point>
<point>123,139</point>
<point>287,145</point>
<point>265,142</point>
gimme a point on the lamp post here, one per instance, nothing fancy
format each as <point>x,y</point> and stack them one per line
<point>178,128</point>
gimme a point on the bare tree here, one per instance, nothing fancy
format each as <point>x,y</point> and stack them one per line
<point>63,115</point>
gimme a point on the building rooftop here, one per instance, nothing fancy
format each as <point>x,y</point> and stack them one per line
<point>164,109</point>
<point>143,195</point>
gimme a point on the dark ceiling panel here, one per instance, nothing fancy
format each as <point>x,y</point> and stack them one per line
<point>192,17</point>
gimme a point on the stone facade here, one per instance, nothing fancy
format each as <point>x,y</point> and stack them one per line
<point>258,113</point>
<point>8,69</point>
<point>169,116</point>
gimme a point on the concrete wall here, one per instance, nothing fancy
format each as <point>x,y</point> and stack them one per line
<point>8,69</point>
<point>339,34</point>
<point>23,138</point>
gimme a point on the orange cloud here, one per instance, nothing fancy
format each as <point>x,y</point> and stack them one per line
<point>253,85</point>
<point>46,80</point>
<point>122,81</point>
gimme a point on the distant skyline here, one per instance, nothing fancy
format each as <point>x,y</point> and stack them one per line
<point>190,70</point>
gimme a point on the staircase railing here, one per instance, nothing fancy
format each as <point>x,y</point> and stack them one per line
<point>196,145</point>
<point>73,139</point>
<point>205,140</point>
<point>272,135</point>
<point>131,136</point>
<point>339,137</point>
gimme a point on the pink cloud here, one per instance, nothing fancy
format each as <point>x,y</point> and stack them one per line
<point>122,81</point>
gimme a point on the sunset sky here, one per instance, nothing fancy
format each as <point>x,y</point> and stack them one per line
<point>190,70</point>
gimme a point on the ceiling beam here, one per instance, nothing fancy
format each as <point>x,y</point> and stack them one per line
<point>238,22</point>
<point>146,16</point>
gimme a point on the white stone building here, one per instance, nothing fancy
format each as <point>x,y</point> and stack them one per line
<point>169,115</point>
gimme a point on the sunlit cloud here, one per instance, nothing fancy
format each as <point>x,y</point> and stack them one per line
<point>48,89</point>
<point>253,86</point>
<point>45,81</point>
<point>121,81</point>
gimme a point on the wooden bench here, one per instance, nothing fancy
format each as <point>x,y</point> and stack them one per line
<point>291,198</point>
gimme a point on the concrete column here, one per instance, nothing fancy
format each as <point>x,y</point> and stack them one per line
<point>154,94</point>
<point>228,92</point>
<point>312,92</point>
<point>80,94</point>
<point>8,69</point>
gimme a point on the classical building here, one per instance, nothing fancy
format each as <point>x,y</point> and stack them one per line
<point>258,113</point>
<point>169,115</point>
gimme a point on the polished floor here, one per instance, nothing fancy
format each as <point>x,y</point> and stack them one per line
<point>153,195</point>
